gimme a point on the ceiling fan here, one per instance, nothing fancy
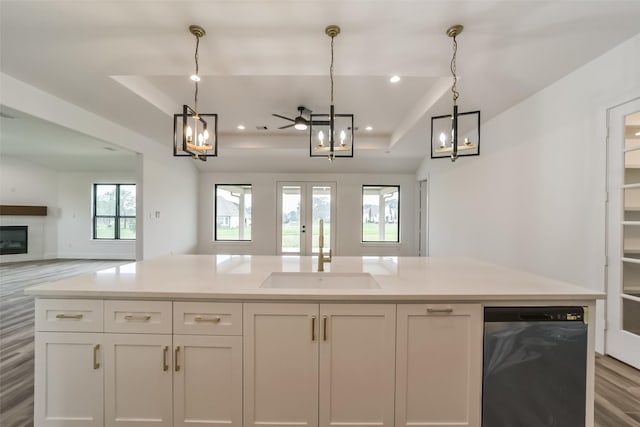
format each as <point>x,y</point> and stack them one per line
<point>299,122</point>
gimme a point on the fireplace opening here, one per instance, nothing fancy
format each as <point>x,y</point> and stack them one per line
<point>13,239</point>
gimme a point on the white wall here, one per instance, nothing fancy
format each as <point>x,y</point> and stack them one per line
<point>75,228</point>
<point>535,198</point>
<point>349,212</point>
<point>169,208</point>
<point>24,183</point>
<point>165,184</point>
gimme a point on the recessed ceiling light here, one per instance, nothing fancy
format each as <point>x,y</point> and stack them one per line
<point>637,133</point>
<point>394,79</point>
<point>368,128</point>
<point>241,127</point>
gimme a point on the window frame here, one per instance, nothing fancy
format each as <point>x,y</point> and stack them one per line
<point>215,214</point>
<point>378,242</point>
<point>116,217</point>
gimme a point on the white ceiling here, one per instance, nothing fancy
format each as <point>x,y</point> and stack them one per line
<point>129,61</point>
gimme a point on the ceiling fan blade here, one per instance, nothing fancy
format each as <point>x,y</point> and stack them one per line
<point>284,127</point>
<point>282,117</point>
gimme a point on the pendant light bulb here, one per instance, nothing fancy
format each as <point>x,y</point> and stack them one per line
<point>321,138</point>
<point>189,134</point>
<point>343,136</point>
<point>443,139</point>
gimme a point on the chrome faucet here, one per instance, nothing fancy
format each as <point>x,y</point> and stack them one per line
<point>321,258</point>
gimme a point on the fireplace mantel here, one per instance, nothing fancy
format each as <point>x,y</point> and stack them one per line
<point>23,210</point>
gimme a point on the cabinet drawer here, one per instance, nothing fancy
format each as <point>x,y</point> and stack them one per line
<point>64,315</point>
<point>207,318</point>
<point>137,317</point>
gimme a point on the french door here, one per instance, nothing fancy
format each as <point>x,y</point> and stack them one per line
<point>301,206</point>
<point>623,234</point>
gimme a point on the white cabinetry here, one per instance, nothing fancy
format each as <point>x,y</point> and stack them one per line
<point>207,377</point>
<point>439,365</point>
<point>138,382</point>
<point>68,369</point>
<point>335,360</point>
<point>68,378</point>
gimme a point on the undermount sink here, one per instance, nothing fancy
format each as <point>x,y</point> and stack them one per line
<point>285,280</point>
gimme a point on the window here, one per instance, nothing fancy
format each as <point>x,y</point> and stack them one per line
<point>114,211</point>
<point>233,212</point>
<point>380,213</point>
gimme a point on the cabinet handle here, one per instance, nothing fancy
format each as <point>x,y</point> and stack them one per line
<point>313,328</point>
<point>200,319</point>
<point>69,316</point>
<point>439,310</point>
<point>165,365</point>
<point>324,328</point>
<point>143,318</point>
<point>176,358</point>
<point>96,364</point>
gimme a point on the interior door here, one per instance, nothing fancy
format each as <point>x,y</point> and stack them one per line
<point>623,234</point>
<point>301,206</point>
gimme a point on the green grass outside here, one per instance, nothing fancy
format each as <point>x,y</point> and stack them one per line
<point>370,233</point>
<point>223,233</point>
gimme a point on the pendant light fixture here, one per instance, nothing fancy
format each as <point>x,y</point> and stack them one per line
<point>331,135</point>
<point>195,134</point>
<point>446,130</point>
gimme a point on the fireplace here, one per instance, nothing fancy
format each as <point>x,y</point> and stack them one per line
<point>13,239</point>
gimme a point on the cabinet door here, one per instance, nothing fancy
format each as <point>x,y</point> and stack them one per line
<point>439,365</point>
<point>68,380</point>
<point>357,364</point>
<point>280,364</point>
<point>138,386</point>
<point>207,381</point>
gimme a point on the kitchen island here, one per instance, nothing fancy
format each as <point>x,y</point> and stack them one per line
<point>230,340</point>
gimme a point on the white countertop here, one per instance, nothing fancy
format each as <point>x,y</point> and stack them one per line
<point>238,277</point>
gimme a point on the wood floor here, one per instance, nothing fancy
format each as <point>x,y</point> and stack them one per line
<point>16,330</point>
<point>617,402</point>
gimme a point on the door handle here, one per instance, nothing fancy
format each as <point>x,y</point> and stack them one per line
<point>176,359</point>
<point>165,353</point>
<point>313,328</point>
<point>96,364</point>
<point>69,316</point>
<point>324,328</point>
<point>440,310</point>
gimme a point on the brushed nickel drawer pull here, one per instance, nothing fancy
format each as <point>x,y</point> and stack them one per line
<point>313,328</point>
<point>69,316</point>
<point>200,319</point>
<point>440,310</point>
<point>96,364</point>
<point>176,359</point>
<point>165,365</point>
<point>143,318</point>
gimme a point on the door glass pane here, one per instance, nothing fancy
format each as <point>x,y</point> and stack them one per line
<point>631,233</point>
<point>321,210</point>
<point>291,196</point>
<point>631,315</point>
<point>631,241</point>
<point>106,200</point>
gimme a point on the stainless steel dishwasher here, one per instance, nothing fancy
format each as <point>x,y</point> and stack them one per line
<point>535,367</point>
